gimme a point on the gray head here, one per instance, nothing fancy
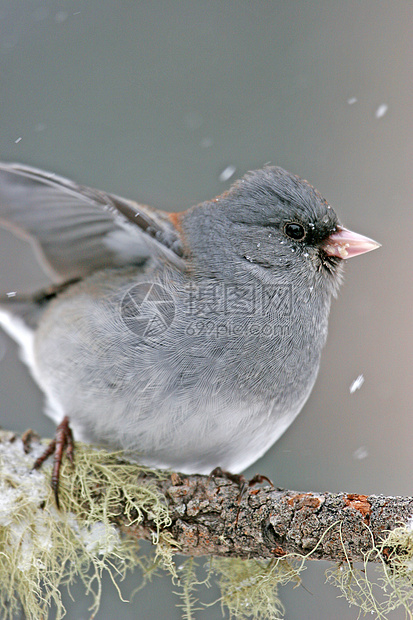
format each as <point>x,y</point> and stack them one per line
<point>270,222</point>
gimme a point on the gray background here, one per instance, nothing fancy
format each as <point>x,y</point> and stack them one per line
<point>152,100</point>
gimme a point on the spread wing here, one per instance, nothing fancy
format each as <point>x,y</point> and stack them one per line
<point>76,230</point>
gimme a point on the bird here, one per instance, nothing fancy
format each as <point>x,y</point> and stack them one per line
<point>189,340</point>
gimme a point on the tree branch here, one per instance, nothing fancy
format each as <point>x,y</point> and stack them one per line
<point>208,517</point>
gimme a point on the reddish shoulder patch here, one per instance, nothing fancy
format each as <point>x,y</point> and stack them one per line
<point>176,220</point>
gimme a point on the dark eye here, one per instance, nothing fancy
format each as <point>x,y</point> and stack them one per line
<point>295,231</point>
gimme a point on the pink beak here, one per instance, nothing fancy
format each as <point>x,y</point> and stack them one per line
<point>345,244</point>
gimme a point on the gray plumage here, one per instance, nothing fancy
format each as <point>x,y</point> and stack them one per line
<point>192,341</point>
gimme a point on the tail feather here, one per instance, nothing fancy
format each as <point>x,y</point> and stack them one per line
<point>19,320</point>
<point>20,316</point>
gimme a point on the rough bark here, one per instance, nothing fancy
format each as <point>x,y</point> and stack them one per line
<point>209,517</point>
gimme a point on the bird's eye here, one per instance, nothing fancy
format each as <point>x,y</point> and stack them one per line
<point>294,231</point>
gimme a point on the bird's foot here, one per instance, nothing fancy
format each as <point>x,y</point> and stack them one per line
<point>63,441</point>
<point>239,479</point>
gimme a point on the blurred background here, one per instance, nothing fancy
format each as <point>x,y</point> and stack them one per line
<point>167,103</point>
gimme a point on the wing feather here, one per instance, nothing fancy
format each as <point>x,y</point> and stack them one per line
<point>76,230</point>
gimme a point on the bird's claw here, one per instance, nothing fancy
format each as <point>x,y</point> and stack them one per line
<point>63,441</point>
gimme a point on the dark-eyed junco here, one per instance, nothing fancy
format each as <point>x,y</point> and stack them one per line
<point>191,340</point>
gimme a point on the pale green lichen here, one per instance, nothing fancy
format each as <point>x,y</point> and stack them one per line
<point>188,584</point>
<point>385,583</point>
<point>43,549</point>
<point>249,588</point>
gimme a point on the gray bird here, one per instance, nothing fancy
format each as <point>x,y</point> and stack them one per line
<point>190,340</point>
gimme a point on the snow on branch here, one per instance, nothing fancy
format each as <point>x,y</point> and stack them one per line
<point>105,496</point>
